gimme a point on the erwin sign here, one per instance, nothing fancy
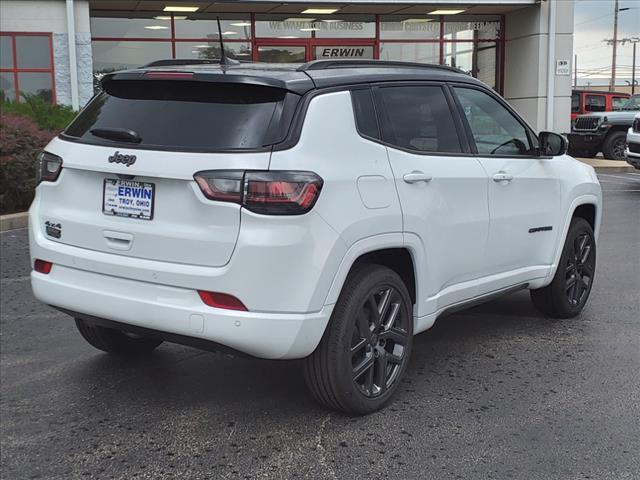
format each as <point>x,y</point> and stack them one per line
<point>344,52</point>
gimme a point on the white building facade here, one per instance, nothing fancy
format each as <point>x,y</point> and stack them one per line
<point>521,48</point>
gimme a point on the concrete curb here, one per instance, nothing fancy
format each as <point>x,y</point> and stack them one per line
<point>13,221</point>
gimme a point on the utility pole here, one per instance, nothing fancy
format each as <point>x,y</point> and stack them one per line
<point>622,41</point>
<point>615,46</point>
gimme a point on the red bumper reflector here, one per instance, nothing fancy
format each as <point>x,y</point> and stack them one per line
<point>41,266</point>
<point>221,300</point>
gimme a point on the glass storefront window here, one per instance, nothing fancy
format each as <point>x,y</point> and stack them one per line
<point>410,52</point>
<point>464,30</point>
<point>281,54</point>
<point>6,52</point>
<point>477,59</point>
<point>203,27</point>
<point>33,52</point>
<point>35,83</point>
<point>30,70</point>
<point>237,50</point>
<point>116,27</point>
<point>109,56</point>
<point>7,87</point>
<point>308,26</point>
<point>407,27</point>
<point>459,55</point>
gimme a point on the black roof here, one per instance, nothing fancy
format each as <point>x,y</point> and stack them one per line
<point>300,78</point>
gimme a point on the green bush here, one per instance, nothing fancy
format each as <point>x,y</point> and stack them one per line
<point>46,115</point>
<point>20,143</point>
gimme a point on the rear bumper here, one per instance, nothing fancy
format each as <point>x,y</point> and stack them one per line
<point>180,311</point>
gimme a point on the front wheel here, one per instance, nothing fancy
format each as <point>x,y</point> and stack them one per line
<point>613,148</point>
<point>567,294</point>
<point>365,350</point>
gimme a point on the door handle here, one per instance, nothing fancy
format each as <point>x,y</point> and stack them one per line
<point>502,177</point>
<point>416,176</point>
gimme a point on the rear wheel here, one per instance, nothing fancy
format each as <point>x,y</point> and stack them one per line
<point>115,341</point>
<point>365,350</point>
<point>567,294</point>
<point>613,147</point>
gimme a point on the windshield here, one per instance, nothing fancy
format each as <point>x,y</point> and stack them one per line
<point>183,115</point>
<point>632,104</point>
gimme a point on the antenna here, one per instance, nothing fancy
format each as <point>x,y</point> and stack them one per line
<point>223,57</point>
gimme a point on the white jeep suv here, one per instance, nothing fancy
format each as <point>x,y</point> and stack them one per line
<point>325,212</point>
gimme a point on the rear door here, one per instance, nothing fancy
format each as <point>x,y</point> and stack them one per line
<point>127,182</point>
<point>524,193</point>
<point>443,192</point>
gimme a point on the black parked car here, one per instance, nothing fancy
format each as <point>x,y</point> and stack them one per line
<point>604,132</point>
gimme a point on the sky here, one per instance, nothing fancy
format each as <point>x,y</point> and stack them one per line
<point>593,22</point>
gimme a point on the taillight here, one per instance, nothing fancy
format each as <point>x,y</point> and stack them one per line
<point>42,266</point>
<point>49,167</point>
<point>265,192</point>
<point>221,300</point>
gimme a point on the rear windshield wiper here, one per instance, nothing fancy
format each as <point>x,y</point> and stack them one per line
<point>117,134</point>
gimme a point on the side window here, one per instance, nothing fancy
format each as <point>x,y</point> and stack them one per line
<point>365,113</point>
<point>418,118</point>
<point>618,102</point>
<point>495,130</point>
<point>595,103</point>
<point>575,102</point>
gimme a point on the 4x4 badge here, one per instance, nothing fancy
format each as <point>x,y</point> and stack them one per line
<point>126,160</point>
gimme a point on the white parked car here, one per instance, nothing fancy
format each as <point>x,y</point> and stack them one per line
<point>328,211</point>
<point>632,150</point>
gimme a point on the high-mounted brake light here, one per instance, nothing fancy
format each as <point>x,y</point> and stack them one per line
<point>49,167</point>
<point>169,75</point>
<point>42,266</point>
<point>265,192</point>
<point>221,300</point>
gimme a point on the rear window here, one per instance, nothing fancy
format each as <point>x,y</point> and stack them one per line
<point>187,115</point>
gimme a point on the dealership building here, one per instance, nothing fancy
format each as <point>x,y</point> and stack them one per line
<point>57,49</point>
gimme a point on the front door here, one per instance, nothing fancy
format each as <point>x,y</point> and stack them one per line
<point>443,193</point>
<point>524,191</point>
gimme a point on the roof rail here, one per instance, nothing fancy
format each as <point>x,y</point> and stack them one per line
<point>355,63</point>
<point>175,62</point>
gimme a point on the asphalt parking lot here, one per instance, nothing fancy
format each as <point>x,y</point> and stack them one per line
<point>496,392</point>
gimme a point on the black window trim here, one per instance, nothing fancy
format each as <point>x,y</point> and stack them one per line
<point>533,138</point>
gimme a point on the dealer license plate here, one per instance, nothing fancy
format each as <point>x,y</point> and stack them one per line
<point>127,198</point>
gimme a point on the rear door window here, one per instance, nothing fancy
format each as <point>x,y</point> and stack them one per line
<point>418,118</point>
<point>187,115</point>
<point>595,103</point>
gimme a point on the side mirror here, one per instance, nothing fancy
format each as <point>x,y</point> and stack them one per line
<point>552,144</point>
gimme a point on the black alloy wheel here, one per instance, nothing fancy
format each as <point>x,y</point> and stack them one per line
<point>579,270</point>
<point>365,349</point>
<point>378,342</point>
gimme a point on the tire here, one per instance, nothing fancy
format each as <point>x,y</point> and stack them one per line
<point>363,354</point>
<point>569,290</point>
<point>613,146</point>
<point>115,341</point>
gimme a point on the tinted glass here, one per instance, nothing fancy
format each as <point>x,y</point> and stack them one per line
<point>6,52</point>
<point>595,103</point>
<point>418,118</point>
<point>7,87</point>
<point>182,114</point>
<point>281,54</point>
<point>237,50</point>
<point>575,102</point>
<point>365,113</point>
<point>33,52</point>
<point>495,130</point>
<point>36,84</point>
<point>111,56</point>
<point>618,102</point>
